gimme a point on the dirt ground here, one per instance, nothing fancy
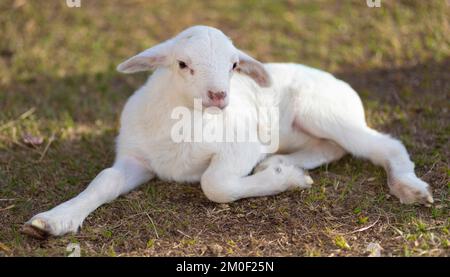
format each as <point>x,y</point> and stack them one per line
<point>58,83</point>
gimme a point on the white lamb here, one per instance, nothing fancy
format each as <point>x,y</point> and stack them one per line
<point>321,118</point>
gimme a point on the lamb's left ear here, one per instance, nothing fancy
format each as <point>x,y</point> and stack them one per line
<point>148,59</point>
<point>254,69</point>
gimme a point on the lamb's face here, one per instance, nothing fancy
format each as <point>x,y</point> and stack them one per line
<point>204,61</point>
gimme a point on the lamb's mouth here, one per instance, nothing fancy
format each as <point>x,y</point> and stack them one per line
<point>211,106</point>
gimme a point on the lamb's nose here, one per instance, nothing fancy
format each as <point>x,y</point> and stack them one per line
<point>216,95</point>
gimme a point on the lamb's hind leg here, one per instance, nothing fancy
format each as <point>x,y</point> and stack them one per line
<point>332,110</point>
<point>336,113</point>
<point>381,149</point>
<point>390,153</point>
<point>126,174</point>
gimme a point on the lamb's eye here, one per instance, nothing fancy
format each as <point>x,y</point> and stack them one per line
<point>182,64</point>
<point>234,66</point>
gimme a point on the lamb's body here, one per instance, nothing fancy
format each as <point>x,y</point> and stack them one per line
<point>295,88</point>
<point>321,119</point>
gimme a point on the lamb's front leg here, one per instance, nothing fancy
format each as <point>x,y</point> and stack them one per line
<point>126,174</point>
<point>222,183</point>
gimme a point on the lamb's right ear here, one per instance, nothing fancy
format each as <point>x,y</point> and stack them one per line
<point>148,59</point>
<point>254,69</point>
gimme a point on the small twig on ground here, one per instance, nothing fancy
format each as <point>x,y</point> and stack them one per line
<point>153,224</point>
<point>52,138</point>
<point>7,208</point>
<point>399,232</point>
<point>21,117</point>
<point>362,229</point>
<point>435,227</point>
<point>184,234</point>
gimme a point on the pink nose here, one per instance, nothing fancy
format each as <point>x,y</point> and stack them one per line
<point>216,95</point>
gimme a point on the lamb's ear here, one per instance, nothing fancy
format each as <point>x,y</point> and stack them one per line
<point>148,59</point>
<point>254,69</point>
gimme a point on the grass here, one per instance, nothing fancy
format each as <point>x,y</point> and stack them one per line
<point>57,79</point>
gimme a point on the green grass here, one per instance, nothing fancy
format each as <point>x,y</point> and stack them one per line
<point>57,78</point>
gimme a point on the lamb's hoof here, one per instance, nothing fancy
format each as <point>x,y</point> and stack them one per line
<point>309,181</point>
<point>36,228</point>
<point>298,178</point>
<point>410,190</point>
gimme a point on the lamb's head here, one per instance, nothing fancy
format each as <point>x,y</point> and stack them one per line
<point>202,61</point>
